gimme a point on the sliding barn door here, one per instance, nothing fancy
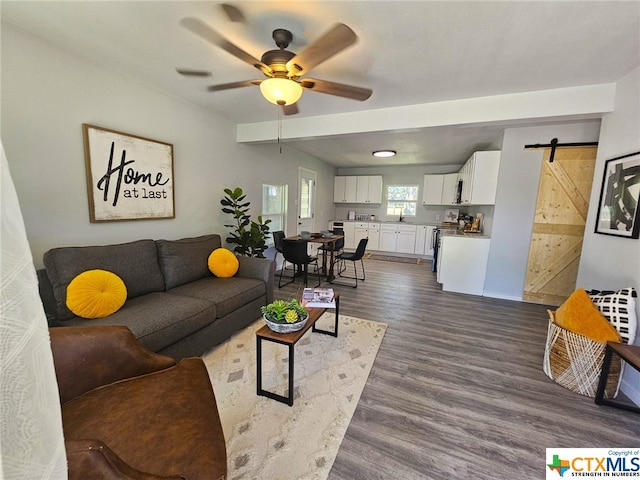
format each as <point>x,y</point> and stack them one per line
<point>558,229</point>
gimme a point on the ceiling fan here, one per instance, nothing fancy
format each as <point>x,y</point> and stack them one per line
<point>284,69</point>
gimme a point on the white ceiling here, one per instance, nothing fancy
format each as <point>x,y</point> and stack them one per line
<point>408,52</point>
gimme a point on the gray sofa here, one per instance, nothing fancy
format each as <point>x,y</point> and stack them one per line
<point>175,305</point>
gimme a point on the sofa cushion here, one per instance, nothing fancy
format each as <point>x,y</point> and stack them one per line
<point>223,263</point>
<point>136,263</point>
<point>185,260</point>
<point>165,423</point>
<point>158,319</point>
<point>228,294</point>
<point>96,294</point>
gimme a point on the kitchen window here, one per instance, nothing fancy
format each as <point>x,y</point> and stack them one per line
<point>274,207</point>
<point>402,200</point>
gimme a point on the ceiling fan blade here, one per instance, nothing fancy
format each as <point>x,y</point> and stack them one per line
<point>290,109</point>
<point>339,89</point>
<point>332,42</point>
<point>228,86</point>
<point>193,73</point>
<point>204,31</point>
<point>233,13</point>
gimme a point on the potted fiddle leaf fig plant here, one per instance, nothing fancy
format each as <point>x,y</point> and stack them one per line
<point>285,316</point>
<point>248,236</point>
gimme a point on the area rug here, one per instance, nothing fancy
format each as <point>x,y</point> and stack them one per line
<point>391,258</point>
<point>267,439</point>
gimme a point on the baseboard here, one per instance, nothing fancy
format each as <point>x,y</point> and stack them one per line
<point>501,296</point>
<point>630,391</point>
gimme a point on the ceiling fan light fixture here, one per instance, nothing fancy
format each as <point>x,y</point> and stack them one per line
<point>384,153</point>
<point>281,91</point>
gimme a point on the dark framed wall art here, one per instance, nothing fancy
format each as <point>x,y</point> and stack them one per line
<point>128,177</point>
<point>618,212</point>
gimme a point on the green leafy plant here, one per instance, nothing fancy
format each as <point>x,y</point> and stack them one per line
<point>248,236</point>
<point>284,311</point>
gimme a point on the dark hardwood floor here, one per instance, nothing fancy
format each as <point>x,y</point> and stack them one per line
<point>457,389</point>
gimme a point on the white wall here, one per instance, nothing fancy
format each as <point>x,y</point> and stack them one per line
<point>516,200</point>
<point>610,263</point>
<point>48,94</point>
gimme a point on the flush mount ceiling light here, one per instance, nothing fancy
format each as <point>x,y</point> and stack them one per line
<point>384,153</point>
<point>281,91</point>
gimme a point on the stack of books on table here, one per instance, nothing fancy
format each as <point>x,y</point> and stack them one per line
<point>318,298</point>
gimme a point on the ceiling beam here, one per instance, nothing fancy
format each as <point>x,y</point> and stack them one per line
<point>579,103</point>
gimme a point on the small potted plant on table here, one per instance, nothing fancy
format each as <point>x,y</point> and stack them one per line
<point>285,316</point>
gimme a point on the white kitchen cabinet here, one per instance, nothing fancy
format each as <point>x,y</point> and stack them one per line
<point>370,230</point>
<point>361,231</point>
<point>374,236</point>
<point>388,238</point>
<point>406,239</point>
<point>479,177</point>
<point>344,189</point>
<point>349,235</point>
<point>432,189</point>
<point>462,263</point>
<point>357,189</point>
<point>396,237</point>
<point>369,189</point>
<point>449,189</point>
<point>424,240</point>
<point>439,189</point>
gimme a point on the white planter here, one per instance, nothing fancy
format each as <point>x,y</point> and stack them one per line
<point>286,327</point>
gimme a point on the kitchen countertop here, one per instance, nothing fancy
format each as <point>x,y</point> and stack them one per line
<point>388,221</point>
<point>453,232</point>
<point>445,231</point>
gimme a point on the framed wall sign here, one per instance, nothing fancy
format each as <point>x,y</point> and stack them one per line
<point>618,212</point>
<point>128,177</point>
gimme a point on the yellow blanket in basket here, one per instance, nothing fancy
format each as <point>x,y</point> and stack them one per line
<point>580,315</point>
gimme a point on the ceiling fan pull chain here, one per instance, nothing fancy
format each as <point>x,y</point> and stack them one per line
<point>279,107</point>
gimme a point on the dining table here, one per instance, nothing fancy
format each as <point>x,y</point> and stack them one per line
<point>318,238</point>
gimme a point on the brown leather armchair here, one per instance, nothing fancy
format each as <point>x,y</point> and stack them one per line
<point>128,413</point>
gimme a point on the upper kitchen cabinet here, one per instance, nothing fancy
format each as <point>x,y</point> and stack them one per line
<point>357,189</point>
<point>479,177</point>
<point>344,189</point>
<point>439,189</point>
<point>432,189</point>
<point>369,189</point>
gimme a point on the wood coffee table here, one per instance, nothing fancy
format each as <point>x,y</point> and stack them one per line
<point>290,339</point>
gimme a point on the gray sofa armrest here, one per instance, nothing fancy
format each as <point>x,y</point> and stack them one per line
<point>260,268</point>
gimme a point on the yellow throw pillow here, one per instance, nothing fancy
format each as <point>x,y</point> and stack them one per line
<point>96,294</point>
<point>580,315</point>
<point>223,263</point>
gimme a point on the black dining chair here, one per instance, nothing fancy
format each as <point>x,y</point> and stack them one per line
<point>354,257</point>
<point>278,238</point>
<point>295,252</point>
<point>337,246</point>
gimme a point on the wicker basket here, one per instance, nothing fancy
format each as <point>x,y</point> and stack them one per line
<point>575,362</point>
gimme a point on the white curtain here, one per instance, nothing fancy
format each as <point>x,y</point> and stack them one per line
<point>31,439</point>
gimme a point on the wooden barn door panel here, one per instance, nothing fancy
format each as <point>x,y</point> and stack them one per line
<point>558,229</point>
